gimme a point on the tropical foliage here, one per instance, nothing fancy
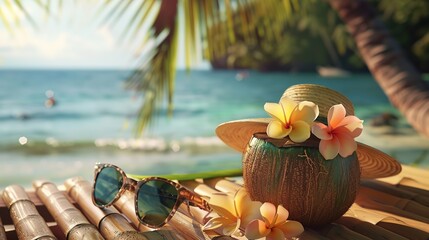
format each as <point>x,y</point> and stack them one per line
<point>320,37</point>
<point>408,22</point>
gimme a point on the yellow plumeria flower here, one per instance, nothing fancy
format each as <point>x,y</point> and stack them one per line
<point>232,212</point>
<point>291,119</point>
<point>274,225</point>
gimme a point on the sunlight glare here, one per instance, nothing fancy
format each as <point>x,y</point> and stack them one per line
<point>23,140</point>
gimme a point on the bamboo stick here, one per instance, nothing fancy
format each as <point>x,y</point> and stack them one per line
<point>111,223</point>
<point>396,226</point>
<point>395,191</point>
<point>410,177</point>
<point>372,199</point>
<point>383,219</point>
<point>340,232</point>
<point>222,185</point>
<point>71,221</point>
<point>408,185</point>
<point>28,222</point>
<point>199,188</point>
<point>310,234</point>
<point>369,230</point>
<point>179,223</point>
<point>384,199</point>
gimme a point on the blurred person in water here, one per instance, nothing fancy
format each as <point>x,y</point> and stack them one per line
<point>50,101</point>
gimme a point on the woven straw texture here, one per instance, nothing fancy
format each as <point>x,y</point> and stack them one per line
<point>324,97</point>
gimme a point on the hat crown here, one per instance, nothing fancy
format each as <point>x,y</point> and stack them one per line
<point>324,97</point>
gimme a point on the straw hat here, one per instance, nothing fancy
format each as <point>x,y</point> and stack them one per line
<point>373,163</point>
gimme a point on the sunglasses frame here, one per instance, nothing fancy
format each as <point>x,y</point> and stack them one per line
<point>129,184</point>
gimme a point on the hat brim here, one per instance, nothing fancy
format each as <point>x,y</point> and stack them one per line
<point>373,163</point>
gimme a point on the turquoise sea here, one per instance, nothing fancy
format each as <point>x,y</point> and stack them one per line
<point>93,120</point>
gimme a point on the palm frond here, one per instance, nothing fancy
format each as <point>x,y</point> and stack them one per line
<point>143,12</point>
<point>156,72</point>
<point>12,12</point>
<point>28,17</point>
<point>216,23</point>
<point>5,21</point>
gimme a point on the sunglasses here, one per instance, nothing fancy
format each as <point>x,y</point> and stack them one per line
<point>156,199</point>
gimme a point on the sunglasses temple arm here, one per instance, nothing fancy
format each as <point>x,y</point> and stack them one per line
<point>195,200</point>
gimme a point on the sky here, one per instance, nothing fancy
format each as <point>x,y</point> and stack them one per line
<point>74,36</point>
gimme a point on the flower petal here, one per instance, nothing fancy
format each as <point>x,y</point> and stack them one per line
<point>251,212</point>
<point>214,223</point>
<point>282,215</point>
<point>277,130</point>
<point>357,129</point>
<point>247,209</point>
<point>276,111</point>
<point>231,229</point>
<point>222,226</point>
<point>223,205</point>
<point>347,143</point>
<point>288,106</point>
<point>291,228</point>
<point>349,120</point>
<point>256,229</point>
<point>269,213</point>
<point>321,131</point>
<point>306,111</point>
<point>241,199</point>
<point>335,115</point>
<point>353,124</point>
<point>275,234</point>
<point>329,148</point>
<point>300,131</point>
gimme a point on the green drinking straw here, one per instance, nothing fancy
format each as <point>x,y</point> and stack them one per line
<point>191,176</point>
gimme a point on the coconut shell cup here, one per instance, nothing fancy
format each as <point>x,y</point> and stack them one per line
<point>315,191</point>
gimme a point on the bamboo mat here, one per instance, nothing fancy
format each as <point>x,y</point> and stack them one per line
<point>389,208</point>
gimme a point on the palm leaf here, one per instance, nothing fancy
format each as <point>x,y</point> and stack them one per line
<point>24,10</point>
<point>217,23</point>
<point>11,11</point>
<point>5,21</point>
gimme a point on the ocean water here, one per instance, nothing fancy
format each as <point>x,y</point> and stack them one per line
<point>93,121</point>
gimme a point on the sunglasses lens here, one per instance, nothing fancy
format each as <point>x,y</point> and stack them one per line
<point>156,200</point>
<point>107,185</point>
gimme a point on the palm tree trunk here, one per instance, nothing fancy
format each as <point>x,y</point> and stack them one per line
<point>399,79</point>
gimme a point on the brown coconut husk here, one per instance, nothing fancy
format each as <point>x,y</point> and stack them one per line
<point>315,191</point>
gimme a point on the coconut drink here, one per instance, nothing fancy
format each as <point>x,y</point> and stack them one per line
<point>305,156</point>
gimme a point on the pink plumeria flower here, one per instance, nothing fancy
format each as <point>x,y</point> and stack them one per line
<point>339,136</point>
<point>291,119</point>
<point>231,212</point>
<point>274,224</point>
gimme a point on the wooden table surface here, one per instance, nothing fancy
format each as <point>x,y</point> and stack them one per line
<point>390,208</point>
